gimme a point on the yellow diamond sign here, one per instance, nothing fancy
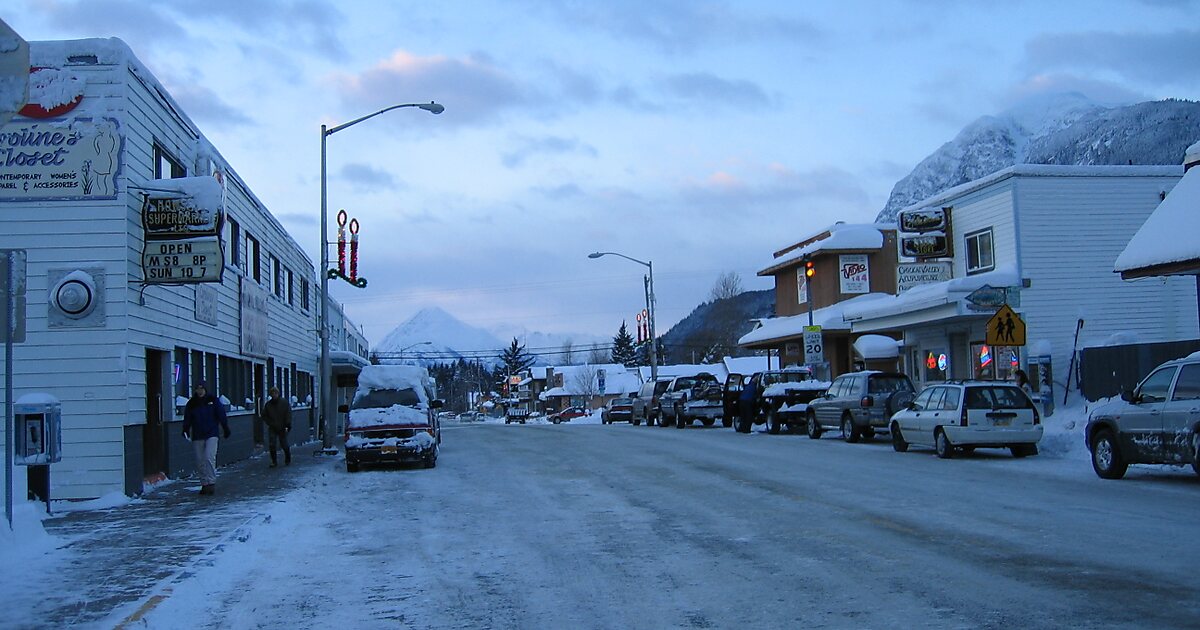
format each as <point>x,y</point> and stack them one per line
<point>1005,328</point>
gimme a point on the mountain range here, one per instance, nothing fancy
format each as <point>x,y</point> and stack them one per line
<point>1055,129</point>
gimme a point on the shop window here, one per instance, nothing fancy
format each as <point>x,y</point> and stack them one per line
<point>994,362</point>
<point>166,166</point>
<point>979,252</point>
<point>936,365</point>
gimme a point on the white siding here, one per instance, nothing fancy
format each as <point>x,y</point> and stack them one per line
<point>1072,230</point>
<point>992,208</point>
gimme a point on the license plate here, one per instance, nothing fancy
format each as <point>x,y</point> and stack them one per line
<point>1002,422</point>
<point>387,450</point>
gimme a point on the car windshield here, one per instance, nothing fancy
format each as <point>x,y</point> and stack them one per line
<point>888,384</point>
<point>384,398</point>
<point>997,397</point>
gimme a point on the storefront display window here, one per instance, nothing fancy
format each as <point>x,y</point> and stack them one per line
<point>936,365</point>
<point>994,362</point>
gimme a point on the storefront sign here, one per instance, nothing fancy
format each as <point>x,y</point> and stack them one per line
<point>801,287</point>
<point>854,274</point>
<point>206,304</point>
<point>254,319</point>
<point>925,220</point>
<point>933,245</point>
<point>180,261</point>
<point>909,275</point>
<point>60,161</point>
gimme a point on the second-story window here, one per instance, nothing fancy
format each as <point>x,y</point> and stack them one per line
<point>277,274</point>
<point>304,294</point>
<point>166,166</point>
<point>979,252</point>
<point>253,258</point>
<point>235,243</point>
<point>291,297</point>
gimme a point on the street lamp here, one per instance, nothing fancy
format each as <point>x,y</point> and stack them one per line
<point>325,394</point>
<point>650,302</point>
<point>400,352</point>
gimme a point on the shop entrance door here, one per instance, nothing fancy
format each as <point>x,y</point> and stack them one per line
<point>154,435</point>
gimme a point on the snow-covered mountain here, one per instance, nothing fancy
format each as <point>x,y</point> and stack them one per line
<point>450,339</point>
<point>1055,129</point>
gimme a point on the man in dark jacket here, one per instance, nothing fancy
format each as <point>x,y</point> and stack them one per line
<point>277,414</point>
<point>203,416</point>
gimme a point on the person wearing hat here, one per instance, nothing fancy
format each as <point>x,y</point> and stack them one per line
<point>203,416</point>
<point>277,414</point>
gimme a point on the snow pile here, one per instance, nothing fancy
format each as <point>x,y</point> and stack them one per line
<point>780,389</point>
<point>51,87</point>
<point>27,540</point>
<point>877,347</point>
<point>396,377</point>
<point>387,416</point>
<point>110,500</point>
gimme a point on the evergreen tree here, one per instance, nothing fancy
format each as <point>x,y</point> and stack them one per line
<point>623,351</point>
<point>515,358</point>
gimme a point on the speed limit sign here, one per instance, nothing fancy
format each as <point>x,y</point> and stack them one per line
<point>814,349</point>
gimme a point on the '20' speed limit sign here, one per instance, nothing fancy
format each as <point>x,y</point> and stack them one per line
<point>814,349</point>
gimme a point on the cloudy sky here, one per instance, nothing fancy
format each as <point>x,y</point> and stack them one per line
<point>699,135</point>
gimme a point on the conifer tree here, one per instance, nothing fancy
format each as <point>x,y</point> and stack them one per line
<point>515,358</point>
<point>623,350</point>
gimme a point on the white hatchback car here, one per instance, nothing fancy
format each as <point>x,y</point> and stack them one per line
<point>964,415</point>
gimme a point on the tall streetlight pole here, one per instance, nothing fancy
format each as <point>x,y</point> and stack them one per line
<point>650,304</point>
<point>326,391</point>
<point>401,351</point>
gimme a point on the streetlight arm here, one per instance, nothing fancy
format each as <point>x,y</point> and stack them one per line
<point>431,107</point>
<point>599,254</point>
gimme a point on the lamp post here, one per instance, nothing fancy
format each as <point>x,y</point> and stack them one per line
<point>326,391</point>
<point>401,351</point>
<point>650,303</point>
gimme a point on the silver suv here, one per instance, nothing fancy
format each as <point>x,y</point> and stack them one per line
<point>859,403</point>
<point>1156,423</point>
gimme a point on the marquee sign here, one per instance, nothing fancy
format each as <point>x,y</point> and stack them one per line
<point>931,245</point>
<point>925,220</point>
<point>182,219</point>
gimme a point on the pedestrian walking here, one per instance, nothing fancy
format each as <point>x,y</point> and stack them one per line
<point>203,417</point>
<point>277,414</point>
<point>1022,381</point>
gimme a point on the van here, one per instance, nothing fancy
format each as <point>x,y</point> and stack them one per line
<point>393,418</point>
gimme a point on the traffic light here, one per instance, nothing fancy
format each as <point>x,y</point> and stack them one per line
<point>809,270</point>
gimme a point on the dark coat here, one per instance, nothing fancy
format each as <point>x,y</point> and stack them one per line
<point>203,416</point>
<point>277,414</point>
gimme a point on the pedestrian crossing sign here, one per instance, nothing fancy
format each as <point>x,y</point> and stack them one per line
<point>1006,328</point>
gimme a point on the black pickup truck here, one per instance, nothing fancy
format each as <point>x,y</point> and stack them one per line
<point>778,397</point>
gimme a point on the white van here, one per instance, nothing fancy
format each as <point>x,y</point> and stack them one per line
<point>393,417</point>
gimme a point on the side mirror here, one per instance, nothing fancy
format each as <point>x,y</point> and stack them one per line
<point>912,405</point>
<point>343,408</point>
<point>437,403</point>
<point>1128,396</point>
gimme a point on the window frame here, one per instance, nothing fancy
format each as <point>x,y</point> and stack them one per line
<point>164,157</point>
<point>972,241</point>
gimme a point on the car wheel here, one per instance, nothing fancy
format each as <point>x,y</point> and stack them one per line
<point>1023,450</point>
<point>741,425</point>
<point>680,420</point>
<point>1196,452</point>
<point>849,433</point>
<point>898,443</point>
<point>868,434</point>
<point>945,449</point>
<point>772,422</point>
<point>726,421</point>
<point>814,427</point>
<point>1106,456</point>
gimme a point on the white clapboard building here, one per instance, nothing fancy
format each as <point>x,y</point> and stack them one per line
<point>149,266</point>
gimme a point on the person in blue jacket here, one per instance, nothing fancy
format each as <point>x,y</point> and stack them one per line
<point>202,417</point>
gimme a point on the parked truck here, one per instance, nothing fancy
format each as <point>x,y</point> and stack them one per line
<point>680,390</point>
<point>777,397</point>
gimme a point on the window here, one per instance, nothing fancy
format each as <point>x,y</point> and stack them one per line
<point>979,252</point>
<point>165,164</point>
<point>1154,388</point>
<point>254,258</point>
<point>1188,385</point>
<point>291,298</point>
<point>304,294</point>
<point>182,374</point>
<point>277,276</point>
<point>235,243</point>
<point>922,399</point>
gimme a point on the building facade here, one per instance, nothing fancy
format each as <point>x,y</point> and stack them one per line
<point>117,326</point>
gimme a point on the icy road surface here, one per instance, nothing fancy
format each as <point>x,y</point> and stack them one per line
<point>638,527</point>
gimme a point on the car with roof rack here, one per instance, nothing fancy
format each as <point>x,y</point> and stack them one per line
<point>960,416</point>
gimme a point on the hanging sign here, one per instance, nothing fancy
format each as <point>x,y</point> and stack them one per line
<point>854,274</point>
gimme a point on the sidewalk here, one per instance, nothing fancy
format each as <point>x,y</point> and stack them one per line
<point>115,564</point>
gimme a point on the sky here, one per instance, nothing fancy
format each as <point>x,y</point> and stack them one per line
<point>698,136</point>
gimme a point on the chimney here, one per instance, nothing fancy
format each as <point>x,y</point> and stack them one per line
<point>1191,157</point>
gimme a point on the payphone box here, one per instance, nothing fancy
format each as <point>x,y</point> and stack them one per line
<point>38,430</point>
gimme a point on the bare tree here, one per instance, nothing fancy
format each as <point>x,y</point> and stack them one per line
<point>599,355</point>
<point>728,284</point>
<point>586,383</point>
<point>567,352</point>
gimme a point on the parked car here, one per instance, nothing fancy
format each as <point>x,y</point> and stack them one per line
<point>731,398</point>
<point>393,418</point>
<point>704,401</point>
<point>516,414</point>
<point>781,398</point>
<point>617,410</point>
<point>860,404</point>
<point>963,416</point>
<point>567,414</point>
<point>469,416</point>
<point>677,393</point>
<point>1156,423</point>
<point>646,404</point>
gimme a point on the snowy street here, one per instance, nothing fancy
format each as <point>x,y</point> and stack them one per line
<point>617,526</point>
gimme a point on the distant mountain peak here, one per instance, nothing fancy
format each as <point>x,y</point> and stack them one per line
<point>1062,128</point>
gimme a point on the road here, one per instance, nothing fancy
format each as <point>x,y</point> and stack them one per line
<point>638,527</point>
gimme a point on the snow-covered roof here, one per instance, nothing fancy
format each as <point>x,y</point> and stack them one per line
<point>931,295</point>
<point>1171,234</point>
<point>877,347</point>
<point>345,356</point>
<point>830,317</point>
<point>687,369</point>
<point>842,237</point>
<point>618,379</point>
<point>749,365</point>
